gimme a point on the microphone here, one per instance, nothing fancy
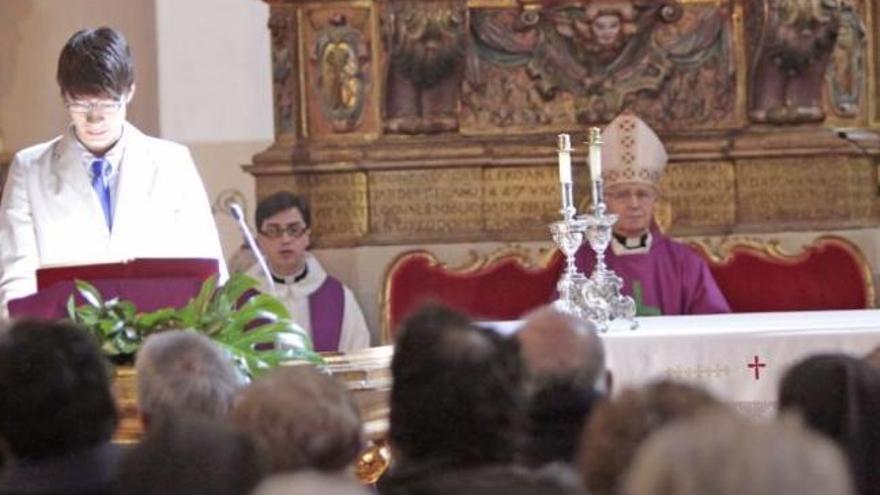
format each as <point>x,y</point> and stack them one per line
<point>238,215</point>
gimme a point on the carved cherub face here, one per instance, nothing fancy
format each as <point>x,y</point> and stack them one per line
<point>606,29</point>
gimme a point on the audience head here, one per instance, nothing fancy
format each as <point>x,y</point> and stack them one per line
<point>310,483</point>
<point>839,396</point>
<point>553,479</point>
<point>182,372</point>
<point>299,418</point>
<point>725,454</point>
<point>618,427</point>
<point>55,395</point>
<point>565,364</point>
<point>190,455</point>
<point>283,231</point>
<point>455,396</point>
<point>559,347</point>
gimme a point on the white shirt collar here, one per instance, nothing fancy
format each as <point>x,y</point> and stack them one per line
<point>621,249</point>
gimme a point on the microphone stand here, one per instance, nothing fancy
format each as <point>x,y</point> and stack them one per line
<point>238,215</point>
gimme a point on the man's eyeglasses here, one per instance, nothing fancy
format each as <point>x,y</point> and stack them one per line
<point>101,106</point>
<point>294,230</point>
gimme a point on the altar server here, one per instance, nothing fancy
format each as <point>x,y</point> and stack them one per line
<point>664,276</point>
<point>318,302</point>
<point>102,190</point>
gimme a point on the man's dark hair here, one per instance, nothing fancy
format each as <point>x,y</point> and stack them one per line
<point>96,62</point>
<point>839,396</point>
<point>55,393</point>
<point>281,201</point>
<point>455,397</point>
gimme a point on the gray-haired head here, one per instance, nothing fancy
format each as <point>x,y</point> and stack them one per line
<point>556,346</point>
<point>182,372</point>
<point>723,453</point>
<point>310,482</point>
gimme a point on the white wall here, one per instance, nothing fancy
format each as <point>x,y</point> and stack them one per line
<point>32,33</point>
<point>215,91</point>
<point>214,70</point>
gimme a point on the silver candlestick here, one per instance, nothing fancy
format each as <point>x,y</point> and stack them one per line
<point>596,298</point>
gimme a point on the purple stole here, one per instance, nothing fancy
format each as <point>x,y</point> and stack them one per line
<point>326,311</point>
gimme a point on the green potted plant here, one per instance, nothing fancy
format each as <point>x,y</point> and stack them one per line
<point>258,332</point>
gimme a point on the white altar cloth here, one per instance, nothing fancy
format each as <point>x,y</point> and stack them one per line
<point>740,357</point>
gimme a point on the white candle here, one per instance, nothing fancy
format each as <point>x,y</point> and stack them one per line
<point>595,154</point>
<point>565,158</point>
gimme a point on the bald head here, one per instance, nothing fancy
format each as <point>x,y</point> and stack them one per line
<point>555,345</point>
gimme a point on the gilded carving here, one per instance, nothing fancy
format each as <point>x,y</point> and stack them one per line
<point>822,190</point>
<point>282,27</point>
<point>521,199</point>
<point>701,90</point>
<point>425,41</point>
<point>791,44</point>
<point>426,203</point>
<point>499,78</point>
<point>846,73</point>
<point>509,100</point>
<point>340,58</point>
<point>607,55</point>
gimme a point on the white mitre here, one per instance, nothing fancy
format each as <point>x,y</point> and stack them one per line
<point>631,152</point>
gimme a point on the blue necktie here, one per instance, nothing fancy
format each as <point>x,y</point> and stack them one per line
<point>100,171</point>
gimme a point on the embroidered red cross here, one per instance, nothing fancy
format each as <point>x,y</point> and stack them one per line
<point>757,365</point>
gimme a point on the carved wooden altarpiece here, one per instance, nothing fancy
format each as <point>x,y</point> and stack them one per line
<point>407,121</point>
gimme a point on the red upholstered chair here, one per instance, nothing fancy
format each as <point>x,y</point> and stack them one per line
<point>830,273</point>
<point>501,286</point>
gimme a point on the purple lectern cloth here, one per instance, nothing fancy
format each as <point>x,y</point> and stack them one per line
<point>146,294</point>
<point>670,278</point>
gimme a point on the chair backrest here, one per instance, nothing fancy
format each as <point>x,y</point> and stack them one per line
<point>503,285</point>
<point>830,273</point>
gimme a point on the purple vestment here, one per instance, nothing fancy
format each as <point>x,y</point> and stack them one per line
<point>326,311</point>
<point>669,279</point>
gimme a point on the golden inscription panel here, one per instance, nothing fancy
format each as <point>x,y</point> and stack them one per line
<point>521,199</point>
<point>824,190</point>
<point>700,195</point>
<point>426,203</point>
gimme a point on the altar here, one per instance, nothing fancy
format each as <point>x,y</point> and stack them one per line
<point>739,357</point>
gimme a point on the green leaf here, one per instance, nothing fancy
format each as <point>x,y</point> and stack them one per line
<point>89,293</point>
<point>200,303</point>
<point>262,319</point>
<point>267,303</point>
<point>71,308</point>
<point>159,318</point>
<point>237,285</point>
